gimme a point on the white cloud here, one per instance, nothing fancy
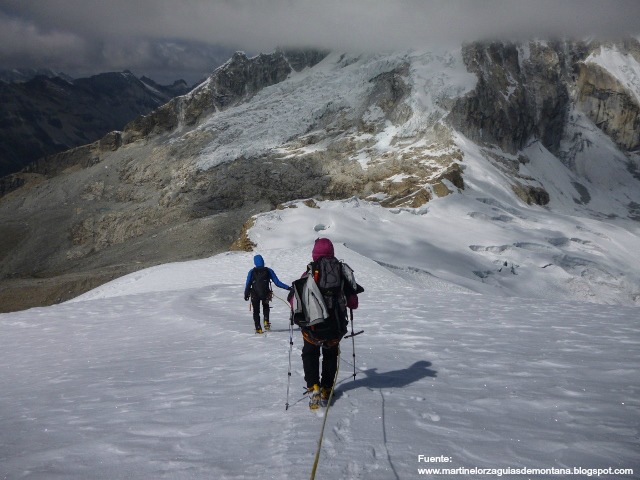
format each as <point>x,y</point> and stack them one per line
<point>112,29</point>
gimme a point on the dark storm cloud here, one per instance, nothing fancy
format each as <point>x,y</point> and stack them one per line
<point>22,41</point>
<point>188,34</point>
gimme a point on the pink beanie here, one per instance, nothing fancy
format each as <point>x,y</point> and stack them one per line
<point>322,248</point>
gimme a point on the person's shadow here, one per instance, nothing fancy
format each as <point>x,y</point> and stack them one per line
<point>393,379</point>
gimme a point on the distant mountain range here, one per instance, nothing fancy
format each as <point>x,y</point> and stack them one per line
<point>43,112</point>
<point>21,75</point>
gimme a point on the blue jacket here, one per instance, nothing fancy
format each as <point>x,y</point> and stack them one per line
<point>258,261</point>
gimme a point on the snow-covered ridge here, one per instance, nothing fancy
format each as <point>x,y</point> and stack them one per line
<point>475,243</point>
<point>339,85</point>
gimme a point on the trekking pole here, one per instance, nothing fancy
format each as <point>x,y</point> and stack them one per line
<point>353,342</point>
<point>286,407</point>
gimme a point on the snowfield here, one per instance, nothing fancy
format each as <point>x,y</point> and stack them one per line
<point>159,374</point>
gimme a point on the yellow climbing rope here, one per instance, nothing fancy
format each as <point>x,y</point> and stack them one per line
<point>326,413</point>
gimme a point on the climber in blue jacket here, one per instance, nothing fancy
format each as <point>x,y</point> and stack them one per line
<point>258,288</point>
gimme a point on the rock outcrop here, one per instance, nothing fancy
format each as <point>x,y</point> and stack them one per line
<point>522,94</point>
<point>609,104</point>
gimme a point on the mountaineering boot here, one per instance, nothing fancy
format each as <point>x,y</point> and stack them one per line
<point>325,392</point>
<point>258,330</point>
<point>267,326</point>
<point>314,397</point>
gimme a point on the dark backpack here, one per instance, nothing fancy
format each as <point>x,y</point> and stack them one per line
<point>327,272</point>
<point>261,284</point>
<point>319,305</point>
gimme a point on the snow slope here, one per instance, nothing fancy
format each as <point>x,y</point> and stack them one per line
<point>159,375</point>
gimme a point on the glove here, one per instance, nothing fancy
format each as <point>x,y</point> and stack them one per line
<point>246,298</point>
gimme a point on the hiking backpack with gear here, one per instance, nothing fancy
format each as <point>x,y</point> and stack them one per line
<point>261,284</point>
<point>319,303</point>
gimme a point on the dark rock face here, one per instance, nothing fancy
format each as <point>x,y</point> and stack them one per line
<point>48,115</point>
<point>493,113</point>
<point>519,96</point>
<point>525,94</point>
<point>299,59</point>
<point>389,93</point>
<point>531,194</point>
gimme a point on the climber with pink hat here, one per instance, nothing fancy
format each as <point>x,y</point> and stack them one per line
<point>322,334</point>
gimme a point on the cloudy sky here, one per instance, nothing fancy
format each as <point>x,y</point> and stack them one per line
<point>170,39</point>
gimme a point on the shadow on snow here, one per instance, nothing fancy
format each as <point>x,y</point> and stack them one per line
<point>392,379</point>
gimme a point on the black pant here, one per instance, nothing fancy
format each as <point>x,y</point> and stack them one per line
<point>255,304</point>
<point>311,364</point>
